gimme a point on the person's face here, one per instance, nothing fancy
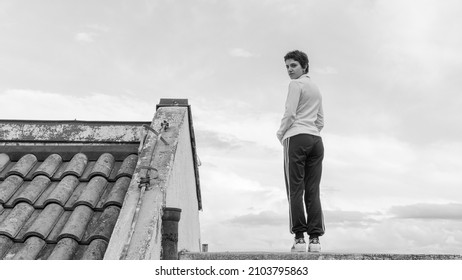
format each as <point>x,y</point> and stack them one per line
<point>294,69</point>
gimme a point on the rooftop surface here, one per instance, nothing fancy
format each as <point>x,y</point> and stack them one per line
<point>62,185</point>
<point>60,209</point>
<point>311,256</point>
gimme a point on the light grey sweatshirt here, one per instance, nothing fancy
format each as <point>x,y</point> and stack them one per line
<point>303,110</point>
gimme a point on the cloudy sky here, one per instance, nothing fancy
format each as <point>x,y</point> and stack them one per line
<point>388,72</point>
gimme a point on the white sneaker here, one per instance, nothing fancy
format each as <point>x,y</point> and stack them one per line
<point>314,245</point>
<point>299,245</point>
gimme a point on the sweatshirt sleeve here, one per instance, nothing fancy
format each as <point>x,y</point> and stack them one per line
<point>288,118</point>
<point>320,119</point>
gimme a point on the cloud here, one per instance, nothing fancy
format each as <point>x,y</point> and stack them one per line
<point>388,171</point>
<point>92,32</point>
<point>38,105</point>
<point>450,211</point>
<point>238,52</point>
<point>376,232</point>
<point>357,219</point>
<point>213,140</point>
<point>239,120</point>
<point>328,70</point>
<point>264,218</point>
<point>395,236</point>
<point>335,218</point>
<point>98,27</point>
<point>85,37</point>
<point>346,232</point>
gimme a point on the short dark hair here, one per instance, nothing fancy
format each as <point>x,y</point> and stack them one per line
<point>299,56</point>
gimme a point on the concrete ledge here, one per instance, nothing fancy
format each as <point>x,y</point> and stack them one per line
<point>18,131</point>
<point>311,256</point>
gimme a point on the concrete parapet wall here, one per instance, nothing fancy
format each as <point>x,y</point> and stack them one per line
<point>311,256</point>
<point>70,131</point>
<point>182,192</point>
<point>138,231</point>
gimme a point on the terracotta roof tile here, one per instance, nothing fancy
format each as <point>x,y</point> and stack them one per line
<point>76,166</point>
<point>4,161</point>
<point>41,201</point>
<point>128,166</point>
<point>53,236</point>
<point>103,166</point>
<point>9,203</point>
<point>59,173</point>
<point>9,187</point>
<point>62,185</point>
<point>20,237</point>
<point>45,222</point>
<point>51,208</point>
<point>64,249</point>
<point>92,192</point>
<point>46,252</point>
<point>30,249</point>
<point>4,213</point>
<point>100,205</point>
<point>23,166</point>
<point>92,224</point>
<point>102,225</point>
<point>94,251</point>
<point>33,190</point>
<point>115,169</point>
<point>75,195</point>
<point>12,250</point>
<point>117,193</point>
<point>77,223</point>
<point>16,219</point>
<point>5,245</point>
<point>86,173</point>
<point>63,190</point>
<point>49,166</point>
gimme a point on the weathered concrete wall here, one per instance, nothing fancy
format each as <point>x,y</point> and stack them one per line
<point>311,256</point>
<point>182,193</point>
<point>137,233</point>
<point>70,131</point>
<point>120,245</point>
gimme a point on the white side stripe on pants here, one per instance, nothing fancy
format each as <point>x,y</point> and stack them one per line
<point>286,143</point>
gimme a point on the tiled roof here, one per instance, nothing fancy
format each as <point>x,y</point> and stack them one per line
<point>70,189</point>
<point>61,208</point>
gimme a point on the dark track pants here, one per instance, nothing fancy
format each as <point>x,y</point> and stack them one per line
<point>303,155</point>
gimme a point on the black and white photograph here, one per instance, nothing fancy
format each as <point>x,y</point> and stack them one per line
<point>230,130</point>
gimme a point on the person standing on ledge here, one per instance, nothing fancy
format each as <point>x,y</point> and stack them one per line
<point>299,133</point>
